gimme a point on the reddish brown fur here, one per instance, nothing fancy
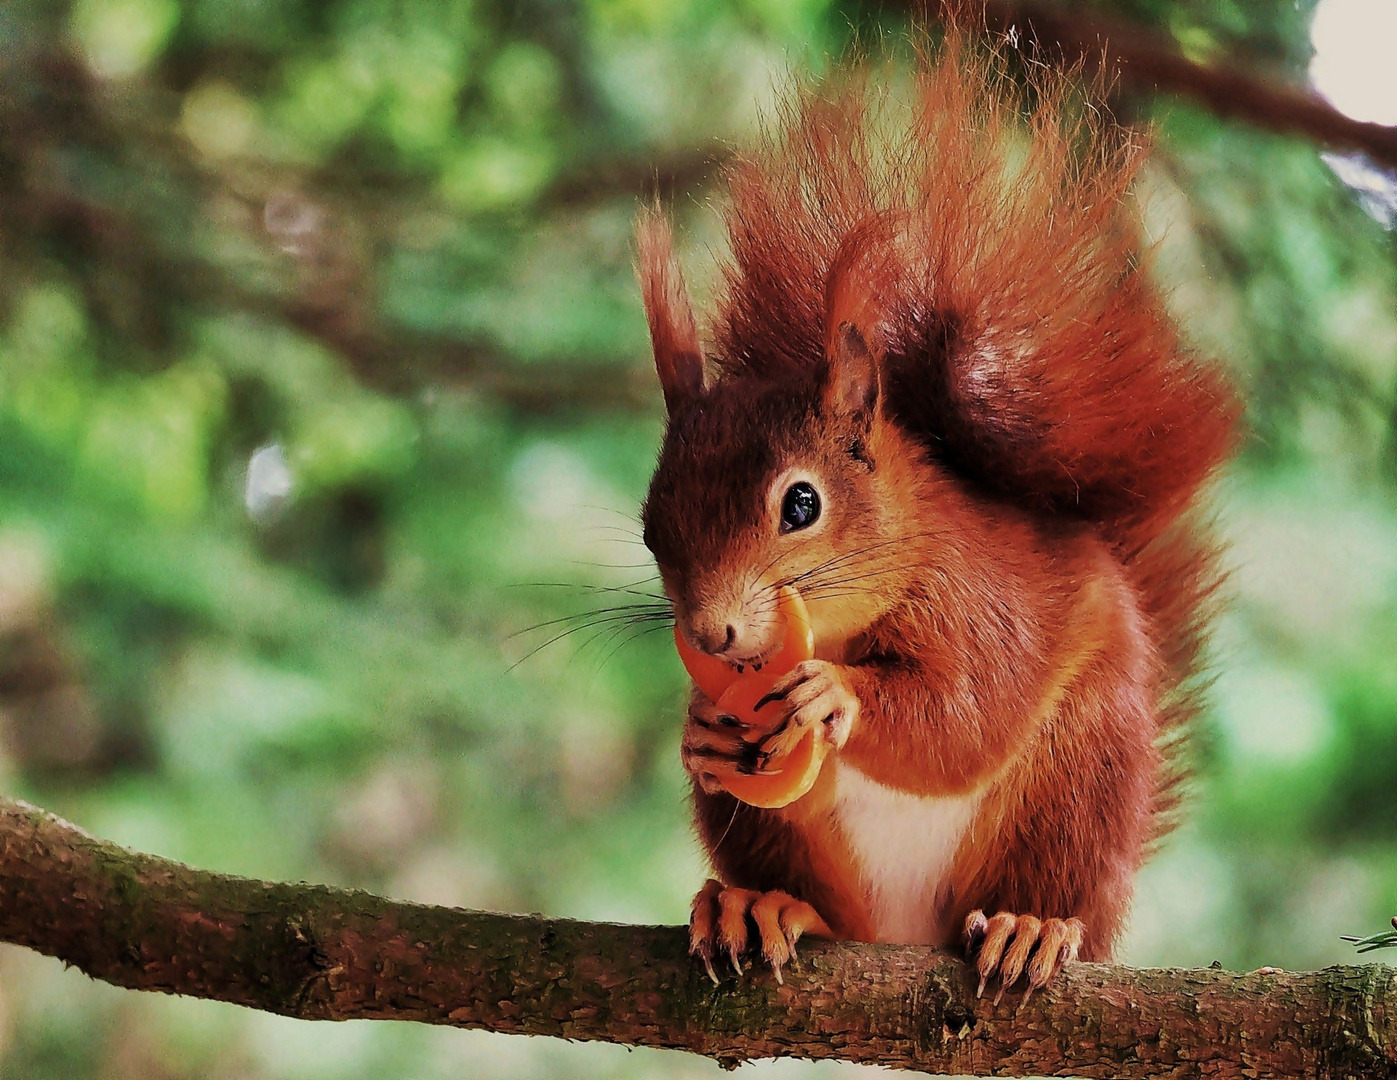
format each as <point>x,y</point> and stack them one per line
<point>673,333</point>
<point>1019,576</point>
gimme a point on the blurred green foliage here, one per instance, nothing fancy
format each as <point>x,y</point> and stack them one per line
<point>323,380</point>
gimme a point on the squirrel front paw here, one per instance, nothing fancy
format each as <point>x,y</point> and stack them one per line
<point>713,745</point>
<point>813,695</point>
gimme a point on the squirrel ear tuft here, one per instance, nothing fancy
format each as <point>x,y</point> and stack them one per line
<point>673,332</point>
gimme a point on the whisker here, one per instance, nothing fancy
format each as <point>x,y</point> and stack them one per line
<point>623,540</point>
<point>839,561</point>
<point>632,612</point>
<point>630,589</point>
<point>599,626</point>
<point>864,552</point>
<point>864,576</point>
<point>603,638</point>
<point>649,563</point>
<point>628,518</point>
<point>771,606</point>
<point>736,806</point>
<point>611,528</point>
<point>633,637</point>
<point>836,565</point>
<point>841,594</point>
<point>651,606</point>
<point>587,626</point>
<point>774,560</point>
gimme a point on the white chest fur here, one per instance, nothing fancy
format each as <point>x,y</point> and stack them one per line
<point>903,846</point>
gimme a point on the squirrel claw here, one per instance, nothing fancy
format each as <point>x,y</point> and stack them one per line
<point>976,926</point>
<point>814,695</point>
<point>1011,945</point>
<point>721,918</point>
<point>791,940</point>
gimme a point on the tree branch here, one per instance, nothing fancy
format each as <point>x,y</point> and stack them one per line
<point>1144,63</point>
<point>49,102</point>
<point>315,952</point>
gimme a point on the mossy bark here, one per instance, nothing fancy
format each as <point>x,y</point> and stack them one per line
<point>331,954</point>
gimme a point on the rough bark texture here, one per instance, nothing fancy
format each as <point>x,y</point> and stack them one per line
<point>330,954</point>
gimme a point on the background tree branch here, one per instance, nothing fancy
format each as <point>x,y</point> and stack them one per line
<point>1229,91</point>
<point>315,952</point>
<point>323,290</point>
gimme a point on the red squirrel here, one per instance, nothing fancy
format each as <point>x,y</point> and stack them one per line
<point>942,398</point>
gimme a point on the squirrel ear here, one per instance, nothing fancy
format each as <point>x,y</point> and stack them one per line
<point>861,264</point>
<point>673,332</point>
<point>851,388</point>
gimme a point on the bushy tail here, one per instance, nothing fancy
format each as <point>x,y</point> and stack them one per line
<point>987,224</point>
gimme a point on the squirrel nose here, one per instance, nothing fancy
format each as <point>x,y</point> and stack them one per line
<point>715,639</point>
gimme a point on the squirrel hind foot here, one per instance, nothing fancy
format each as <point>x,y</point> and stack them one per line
<point>721,919</point>
<point>1009,945</point>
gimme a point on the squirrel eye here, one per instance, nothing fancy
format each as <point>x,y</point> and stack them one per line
<point>800,507</point>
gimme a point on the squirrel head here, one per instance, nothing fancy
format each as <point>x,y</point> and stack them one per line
<point>767,480</point>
